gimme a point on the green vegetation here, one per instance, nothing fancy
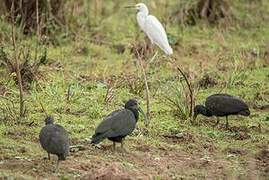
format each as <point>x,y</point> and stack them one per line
<point>90,69</point>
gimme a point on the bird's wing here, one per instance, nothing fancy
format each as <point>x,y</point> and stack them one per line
<point>118,123</point>
<point>60,142</point>
<point>157,34</point>
<point>225,104</point>
<point>106,124</point>
<point>220,94</point>
<point>124,125</point>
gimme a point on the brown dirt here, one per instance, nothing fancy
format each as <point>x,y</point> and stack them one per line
<point>237,151</point>
<point>263,161</point>
<point>138,161</point>
<point>178,138</point>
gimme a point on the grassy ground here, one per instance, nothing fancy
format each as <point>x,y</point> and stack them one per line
<point>231,57</point>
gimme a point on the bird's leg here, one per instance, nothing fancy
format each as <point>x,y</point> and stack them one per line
<point>122,148</point>
<point>227,123</point>
<point>217,122</point>
<point>57,165</point>
<point>153,57</point>
<point>49,156</point>
<point>114,146</point>
<point>149,46</point>
<point>121,144</point>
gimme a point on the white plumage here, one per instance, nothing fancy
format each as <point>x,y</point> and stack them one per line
<point>153,28</point>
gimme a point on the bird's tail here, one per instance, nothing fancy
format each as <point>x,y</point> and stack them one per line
<point>97,138</point>
<point>169,50</point>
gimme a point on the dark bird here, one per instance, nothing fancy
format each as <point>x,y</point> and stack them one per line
<point>221,105</point>
<point>118,124</point>
<point>54,139</point>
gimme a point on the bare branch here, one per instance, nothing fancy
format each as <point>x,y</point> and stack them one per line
<point>18,72</point>
<point>43,109</point>
<point>146,84</point>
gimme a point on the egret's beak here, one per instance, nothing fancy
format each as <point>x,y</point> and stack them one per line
<point>144,115</point>
<point>129,6</point>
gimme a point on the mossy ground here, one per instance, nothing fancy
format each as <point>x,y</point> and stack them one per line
<point>232,54</point>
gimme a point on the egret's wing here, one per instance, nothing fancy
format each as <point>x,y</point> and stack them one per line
<point>157,34</point>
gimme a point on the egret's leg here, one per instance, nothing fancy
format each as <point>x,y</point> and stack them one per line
<point>153,57</point>
<point>227,123</point>
<point>149,44</point>
<point>48,156</point>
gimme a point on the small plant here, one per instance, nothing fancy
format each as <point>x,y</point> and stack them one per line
<point>134,84</point>
<point>142,49</point>
<point>9,110</point>
<point>177,100</point>
<point>235,77</point>
<point>29,69</point>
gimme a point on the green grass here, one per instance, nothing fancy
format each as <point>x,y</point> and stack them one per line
<point>228,54</point>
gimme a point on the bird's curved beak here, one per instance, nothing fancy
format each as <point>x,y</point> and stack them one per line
<point>144,115</point>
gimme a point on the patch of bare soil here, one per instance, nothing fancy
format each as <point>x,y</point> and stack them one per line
<point>180,137</point>
<point>262,107</point>
<point>114,171</point>
<point>138,161</point>
<point>263,160</point>
<point>237,151</point>
<point>239,133</point>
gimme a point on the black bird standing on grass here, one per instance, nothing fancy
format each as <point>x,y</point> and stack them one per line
<point>54,139</point>
<point>220,105</point>
<point>118,124</point>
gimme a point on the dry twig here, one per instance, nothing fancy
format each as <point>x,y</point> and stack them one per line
<point>18,72</point>
<point>146,84</point>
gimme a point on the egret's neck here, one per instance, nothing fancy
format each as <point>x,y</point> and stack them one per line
<point>141,18</point>
<point>143,13</point>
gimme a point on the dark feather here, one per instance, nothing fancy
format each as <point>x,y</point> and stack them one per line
<point>54,139</point>
<point>224,104</point>
<point>119,123</point>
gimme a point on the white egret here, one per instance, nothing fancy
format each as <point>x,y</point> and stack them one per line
<point>152,27</point>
